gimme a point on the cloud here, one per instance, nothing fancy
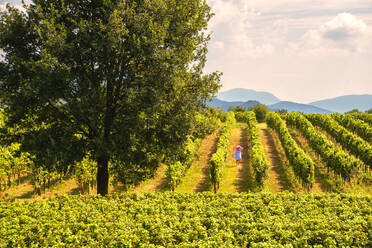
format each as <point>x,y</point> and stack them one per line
<point>233,30</point>
<point>344,26</point>
<point>342,35</point>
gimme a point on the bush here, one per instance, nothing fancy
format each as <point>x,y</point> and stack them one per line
<point>261,111</point>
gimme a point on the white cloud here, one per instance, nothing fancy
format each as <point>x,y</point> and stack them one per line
<point>299,50</point>
<point>294,5</point>
<point>342,35</point>
<point>344,26</point>
<point>232,25</point>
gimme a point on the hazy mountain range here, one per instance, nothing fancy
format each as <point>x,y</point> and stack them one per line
<point>248,98</point>
<point>244,95</point>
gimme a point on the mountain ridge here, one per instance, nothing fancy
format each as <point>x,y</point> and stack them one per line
<point>298,107</point>
<point>289,106</point>
<point>243,95</point>
<point>340,104</point>
<point>345,103</point>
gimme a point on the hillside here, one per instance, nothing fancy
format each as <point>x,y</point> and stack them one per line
<point>243,95</point>
<point>297,107</point>
<point>346,103</point>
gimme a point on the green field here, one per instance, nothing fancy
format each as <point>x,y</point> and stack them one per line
<point>189,220</point>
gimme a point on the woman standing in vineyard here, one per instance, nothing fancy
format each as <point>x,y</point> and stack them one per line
<point>238,154</point>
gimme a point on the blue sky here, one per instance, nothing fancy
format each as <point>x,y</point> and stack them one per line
<point>299,50</point>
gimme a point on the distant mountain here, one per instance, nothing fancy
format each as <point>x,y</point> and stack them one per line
<point>244,95</point>
<point>225,105</point>
<point>346,103</point>
<point>297,107</point>
<point>289,106</point>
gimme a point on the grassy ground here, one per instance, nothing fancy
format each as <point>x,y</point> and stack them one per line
<point>197,176</point>
<point>156,184</point>
<point>244,181</point>
<point>227,183</point>
<point>280,175</point>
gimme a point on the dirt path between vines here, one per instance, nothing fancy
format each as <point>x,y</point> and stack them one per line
<point>230,171</point>
<point>244,176</point>
<point>274,181</point>
<point>207,149</point>
<point>156,184</point>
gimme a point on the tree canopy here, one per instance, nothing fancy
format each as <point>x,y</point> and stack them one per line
<point>119,80</point>
<point>261,111</point>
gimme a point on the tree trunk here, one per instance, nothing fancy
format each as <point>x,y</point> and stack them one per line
<point>19,177</point>
<point>102,175</point>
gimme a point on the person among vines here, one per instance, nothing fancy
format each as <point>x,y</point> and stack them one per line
<point>238,154</point>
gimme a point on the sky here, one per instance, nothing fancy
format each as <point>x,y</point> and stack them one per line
<point>299,50</point>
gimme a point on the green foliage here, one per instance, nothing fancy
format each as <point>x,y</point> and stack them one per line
<point>176,170</point>
<point>180,161</point>
<point>348,140</point>
<point>335,158</point>
<point>237,109</point>
<point>281,111</point>
<point>242,117</point>
<point>206,123</point>
<point>120,80</point>
<point>13,162</point>
<point>261,111</point>
<point>369,111</point>
<point>352,111</point>
<point>85,172</point>
<point>303,166</point>
<point>364,117</point>
<point>218,160</point>
<point>259,161</point>
<point>189,220</point>
<point>363,129</point>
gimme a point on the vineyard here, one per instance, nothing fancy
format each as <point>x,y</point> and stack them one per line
<point>308,157</point>
<point>189,220</point>
<point>312,153</point>
<point>111,134</point>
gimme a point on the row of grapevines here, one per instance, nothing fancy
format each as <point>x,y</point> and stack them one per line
<point>218,159</point>
<point>259,161</point>
<point>335,159</point>
<point>354,144</point>
<point>189,220</point>
<point>303,166</point>
<point>13,162</point>
<point>176,171</point>
<point>363,116</point>
<point>363,129</point>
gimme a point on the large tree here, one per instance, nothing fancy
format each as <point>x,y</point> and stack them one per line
<point>120,80</point>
